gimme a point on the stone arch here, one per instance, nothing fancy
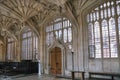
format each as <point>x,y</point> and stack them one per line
<point>63,50</point>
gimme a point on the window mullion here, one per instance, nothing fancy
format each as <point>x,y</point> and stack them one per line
<point>94,38</point>
<point>108,25</point>
<point>62,29</point>
<point>13,52</point>
<point>101,39</point>
<point>27,48</point>
<point>117,30</point>
<point>33,48</point>
<point>10,52</point>
<point>66,35</point>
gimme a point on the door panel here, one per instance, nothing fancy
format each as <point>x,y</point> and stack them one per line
<point>55,61</point>
<point>53,64</point>
<point>58,60</point>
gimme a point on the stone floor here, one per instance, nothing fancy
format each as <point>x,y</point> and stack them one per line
<point>37,77</point>
<point>31,77</point>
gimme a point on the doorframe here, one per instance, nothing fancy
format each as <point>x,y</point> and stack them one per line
<point>55,58</point>
<point>62,57</point>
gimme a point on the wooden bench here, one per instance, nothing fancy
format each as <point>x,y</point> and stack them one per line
<point>112,75</point>
<point>73,74</point>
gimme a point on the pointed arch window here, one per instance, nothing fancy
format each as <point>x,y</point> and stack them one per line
<point>29,45</point>
<point>10,49</point>
<point>91,41</point>
<point>102,32</point>
<point>105,39</point>
<point>97,40</point>
<point>113,40</point>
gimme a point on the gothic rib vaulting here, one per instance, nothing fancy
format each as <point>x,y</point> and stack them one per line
<point>60,36</point>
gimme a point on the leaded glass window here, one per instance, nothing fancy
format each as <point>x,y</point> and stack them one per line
<point>59,29</point>
<point>29,45</point>
<point>102,32</point>
<point>10,49</point>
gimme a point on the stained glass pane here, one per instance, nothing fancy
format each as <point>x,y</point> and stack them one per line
<point>105,13</point>
<point>118,9</point>
<point>113,43</point>
<point>60,34</point>
<point>105,36</point>
<point>65,24</point>
<point>97,40</point>
<point>109,12</point>
<point>62,31</point>
<point>69,35</point>
<point>56,34</point>
<point>101,13</point>
<point>10,49</point>
<point>91,46</point>
<point>65,35</point>
<point>113,11</point>
<point>119,27</point>
<point>91,34</point>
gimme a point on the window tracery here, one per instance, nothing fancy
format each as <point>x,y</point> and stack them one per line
<point>102,32</point>
<point>29,45</point>
<point>59,29</point>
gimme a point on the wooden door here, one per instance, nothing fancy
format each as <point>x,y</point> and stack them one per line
<point>55,61</point>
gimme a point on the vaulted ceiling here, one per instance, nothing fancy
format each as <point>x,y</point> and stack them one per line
<point>15,13</point>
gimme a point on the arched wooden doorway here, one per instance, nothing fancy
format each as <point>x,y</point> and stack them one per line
<point>55,61</point>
